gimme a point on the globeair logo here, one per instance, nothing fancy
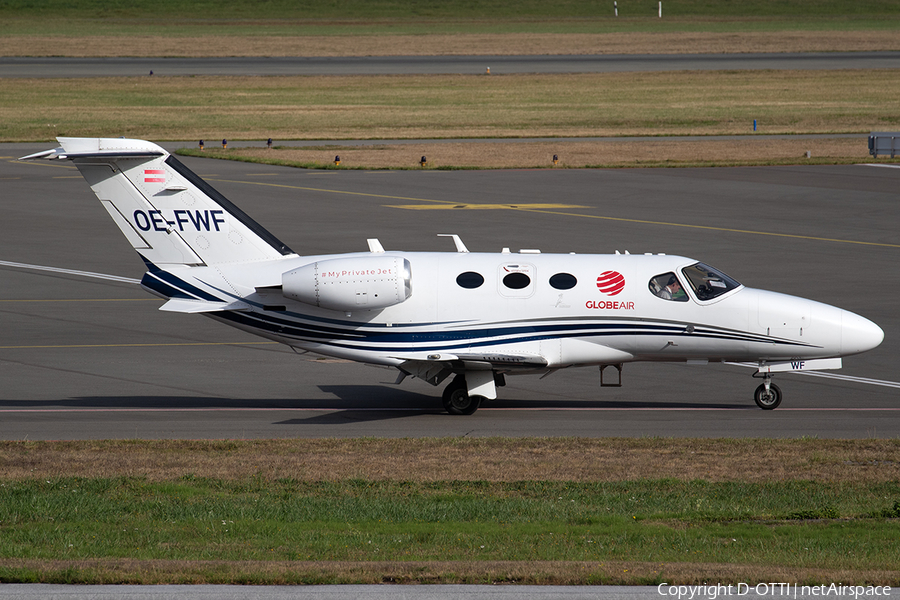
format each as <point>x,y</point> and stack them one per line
<point>611,283</point>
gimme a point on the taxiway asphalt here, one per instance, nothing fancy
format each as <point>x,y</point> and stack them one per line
<point>44,67</point>
<point>87,358</point>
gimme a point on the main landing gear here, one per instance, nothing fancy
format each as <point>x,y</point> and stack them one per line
<point>768,395</point>
<point>457,400</point>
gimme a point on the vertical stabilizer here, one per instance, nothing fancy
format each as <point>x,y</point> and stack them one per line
<point>167,212</point>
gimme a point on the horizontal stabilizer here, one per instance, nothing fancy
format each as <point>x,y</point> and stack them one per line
<point>201,306</point>
<point>45,154</point>
<point>84,148</point>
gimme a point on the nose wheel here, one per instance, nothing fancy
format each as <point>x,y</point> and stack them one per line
<point>768,395</point>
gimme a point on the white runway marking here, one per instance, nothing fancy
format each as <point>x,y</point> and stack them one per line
<point>824,375</point>
<point>890,384</point>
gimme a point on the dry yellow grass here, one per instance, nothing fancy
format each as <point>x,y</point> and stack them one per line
<point>451,106</point>
<point>490,459</point>
<point>504,155</point>
<point>452,44</point>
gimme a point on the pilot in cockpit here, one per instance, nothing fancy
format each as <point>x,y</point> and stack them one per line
<point>668,287</point>
<point>672,291</point>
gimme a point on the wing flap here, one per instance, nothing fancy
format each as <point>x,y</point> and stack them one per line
<point>434,372</point>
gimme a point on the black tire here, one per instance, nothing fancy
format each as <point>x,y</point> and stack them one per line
<point>457,400</point>
<point>770,400</point>
<point>458,382</point>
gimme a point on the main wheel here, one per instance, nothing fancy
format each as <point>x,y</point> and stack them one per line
<point>767,400</point>
<point>457,400</point>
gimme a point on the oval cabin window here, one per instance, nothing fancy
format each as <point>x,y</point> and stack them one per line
<point>563,281</point>
<point>469,280</point>
<point>517,281</point>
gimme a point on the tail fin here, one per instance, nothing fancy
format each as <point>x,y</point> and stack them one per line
<point>167,212</point>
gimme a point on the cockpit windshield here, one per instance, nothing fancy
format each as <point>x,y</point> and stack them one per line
<point>707,282</point>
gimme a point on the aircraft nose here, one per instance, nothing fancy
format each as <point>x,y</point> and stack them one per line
<point>858,334</point>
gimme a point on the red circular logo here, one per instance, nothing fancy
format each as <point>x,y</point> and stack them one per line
<point>611,283</point>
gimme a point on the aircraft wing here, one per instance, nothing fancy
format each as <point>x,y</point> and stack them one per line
<point>436,367</point>
<point>201,306</point>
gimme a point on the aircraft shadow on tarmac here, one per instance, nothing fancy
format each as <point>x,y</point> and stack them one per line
<point>372,396</point>
<point>353,403</point>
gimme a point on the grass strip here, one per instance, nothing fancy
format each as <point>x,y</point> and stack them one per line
<point>361,28</point>
<point>507,460</point>
<point>294,40</point>
<point>386,16</point>
<point>804,525</point>
<point>454,510</point>
<point>272,572</point>
<point>451,106</point>
<point>449,9</point>
<point>738,152</point>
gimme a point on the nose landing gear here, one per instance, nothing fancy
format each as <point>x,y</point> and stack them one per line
<point>768,395</point>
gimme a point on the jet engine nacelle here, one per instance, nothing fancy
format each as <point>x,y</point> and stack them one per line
<point>361,283</point>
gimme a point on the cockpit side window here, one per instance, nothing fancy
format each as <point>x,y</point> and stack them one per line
<point>667,287</point>
<point>707,282</point>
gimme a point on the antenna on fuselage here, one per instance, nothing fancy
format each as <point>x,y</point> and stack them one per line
<point>460,247</point>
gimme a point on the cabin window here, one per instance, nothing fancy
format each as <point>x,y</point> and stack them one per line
<point>517,281</point>
<point>707,282</point>
<point>668,287</point>
<point>469,280</point>
<point>563,281</point>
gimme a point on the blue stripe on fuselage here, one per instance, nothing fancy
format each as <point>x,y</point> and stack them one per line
<point>383,341</point>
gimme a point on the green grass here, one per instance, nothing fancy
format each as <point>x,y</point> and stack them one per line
<point>794,524</point>
<point>343,17</point>
<point>806,511</point>
<point>83,27</point>
<point>448,9</point>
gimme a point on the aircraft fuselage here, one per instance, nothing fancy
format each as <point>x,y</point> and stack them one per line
<point>530,304</point>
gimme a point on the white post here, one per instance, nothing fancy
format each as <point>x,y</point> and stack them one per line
<point>616,7</point>
<point>660,9</point>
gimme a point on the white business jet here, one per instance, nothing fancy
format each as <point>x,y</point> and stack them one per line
<point>475,317</point>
